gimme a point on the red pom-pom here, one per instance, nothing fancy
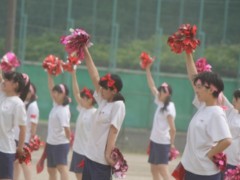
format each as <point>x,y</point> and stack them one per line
<point>145,59</point>
<point>26,157</point>
<point>184,39</point>
<point>68,66</point>
<point>53,65</point>
<point>75,41</point>
<point>120,167</point>
<point>179,172</point>
<point>34,143</point>
<point>9,62</point>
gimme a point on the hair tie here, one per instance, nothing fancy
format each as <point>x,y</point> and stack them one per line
<point>62,87</point>
<point>165,86</point>
<point>26,78</point>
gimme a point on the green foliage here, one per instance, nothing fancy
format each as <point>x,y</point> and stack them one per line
<point>223,58</point>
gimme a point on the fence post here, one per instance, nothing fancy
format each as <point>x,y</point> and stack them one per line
<point>94,20</point>
<point>114,36</point>
<point>138,2</point>
<point>225,20</point>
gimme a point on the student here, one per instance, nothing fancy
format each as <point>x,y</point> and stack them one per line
<point>106,124</point>
<point>233,119</point>
<point>58,137</point>
<point>13,92</point>
<point>163,129</point>
<point>31,126</point>
<point>208,133</point>
<point>85,101</point>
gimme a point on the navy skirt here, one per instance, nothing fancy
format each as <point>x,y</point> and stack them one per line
<point>159,153</point>
<point>6,165</point>
<point>191,176</point>
<point>77,163</point>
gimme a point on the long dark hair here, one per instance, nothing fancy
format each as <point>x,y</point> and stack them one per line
<point>33,98</point>
<point>166,89</point>
<point>58,88</point>
<point>22,80</point>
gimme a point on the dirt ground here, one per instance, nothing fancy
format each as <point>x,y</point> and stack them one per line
<point>139,169</point>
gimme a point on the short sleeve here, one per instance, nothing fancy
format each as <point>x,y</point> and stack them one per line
<point>97,97</point>
<point>118,114</point>
<point>33,113</point>
<point>64,117</point>
<point>218,128</point>
<point>171,110</point>
<point>20,115</point>
<point>197,103</point>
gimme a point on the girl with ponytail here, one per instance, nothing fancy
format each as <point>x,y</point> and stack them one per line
<point>163,130</point>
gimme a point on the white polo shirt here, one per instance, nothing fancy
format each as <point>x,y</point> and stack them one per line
<point>59,118</point>
<point>160,129</point>
<point>233,119</point>
<point>207,127</point>
<point>107,114</point>
<point>12,114</point>
<point>32,117</point>
<point>82,130</point>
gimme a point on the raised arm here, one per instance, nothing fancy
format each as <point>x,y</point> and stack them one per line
<point>191,68</point>
<point>50,83</point>
<point>75,88</point>
<point>92,70</point>
<point>150,80</point>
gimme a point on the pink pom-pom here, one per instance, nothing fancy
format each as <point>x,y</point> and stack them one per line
<point>75,42</point>
<point>173,154</point>
<point>120,167</point>
<point>9,62</point>
<point>220,160</point>
<point>202,65</point>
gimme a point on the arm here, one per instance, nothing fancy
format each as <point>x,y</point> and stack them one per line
<point>220,147</point>
<point>191,68</point>
<point>76,88</point>
<point>67,132</point>
<point>92,70</point>
<point>150,80</point>
<point>50,83</point>
<point>22,135</point>
<point>172,130</point>
<point>33,129</point>
<point>111,144</point>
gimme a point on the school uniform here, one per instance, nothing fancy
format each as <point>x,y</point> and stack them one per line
<point>233,120</point>
<point>160,140</point>
<point>12,114</point>
<point>57,143</point>
<point>83,127</point>
<point>107,114</point>
<point>208,126</point>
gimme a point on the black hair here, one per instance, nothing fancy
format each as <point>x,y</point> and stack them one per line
<point>236,94</point>
<point>210,78</point>
<point>34,95</point>
<point>16,77</point>
<point>118,97</point>
<point>168,98</point>
<point>58,89</point>
<point>83,94</point>
<point>118,82</point>
<point>118,85</point>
